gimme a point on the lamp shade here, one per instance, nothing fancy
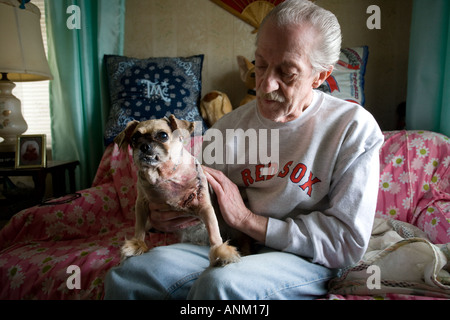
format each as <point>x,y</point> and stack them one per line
<point>22,53</point>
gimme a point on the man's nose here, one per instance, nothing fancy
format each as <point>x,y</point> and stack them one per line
<point>269,82</point>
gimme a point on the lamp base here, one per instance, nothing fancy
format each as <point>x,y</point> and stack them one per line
<point>12,123</point>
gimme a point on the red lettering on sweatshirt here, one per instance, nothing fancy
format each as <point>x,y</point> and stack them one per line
<point>296,175</point>
<point>247,177</point>
<point>285,171</point>
<point>259,177</point>
<point>309,184</point>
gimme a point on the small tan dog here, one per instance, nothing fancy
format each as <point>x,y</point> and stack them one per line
<point>169,177</point>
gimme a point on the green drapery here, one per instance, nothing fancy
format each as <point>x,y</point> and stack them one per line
<point>428,100</point>
<point>80,33</point>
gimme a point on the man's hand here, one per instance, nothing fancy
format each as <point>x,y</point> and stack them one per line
<point>233,208</point>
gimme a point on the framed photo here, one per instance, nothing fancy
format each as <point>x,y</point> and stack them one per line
<point>31,151</point>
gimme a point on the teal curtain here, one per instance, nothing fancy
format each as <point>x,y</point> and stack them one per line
<point>428,99</point>
<point>80,33</point>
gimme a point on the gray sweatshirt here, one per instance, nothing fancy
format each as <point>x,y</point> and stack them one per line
<point>317,181</point>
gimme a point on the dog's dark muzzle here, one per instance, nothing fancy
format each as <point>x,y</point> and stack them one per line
<point>146,148</point>
<point>148,154</point>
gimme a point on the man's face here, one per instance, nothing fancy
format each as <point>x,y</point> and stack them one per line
<point>284,75</point>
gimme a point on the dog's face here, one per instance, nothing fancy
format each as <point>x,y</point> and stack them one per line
<point>154,141</point>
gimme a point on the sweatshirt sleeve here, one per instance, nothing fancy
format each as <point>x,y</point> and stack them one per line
<point>338,235</point>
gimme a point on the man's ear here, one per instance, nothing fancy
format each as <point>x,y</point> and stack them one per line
<point>321,77</point>
<point>175,124</point>
<point>123,139</point>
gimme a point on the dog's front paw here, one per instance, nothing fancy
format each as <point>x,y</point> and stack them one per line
<point>223,254</point>
<point>133,247</point>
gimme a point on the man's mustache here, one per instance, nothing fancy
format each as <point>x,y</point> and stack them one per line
<point>273,96</point>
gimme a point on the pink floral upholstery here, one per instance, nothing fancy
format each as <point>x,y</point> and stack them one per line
<point>415,181</point>
<point>414,188</point>
<point>40,243</point>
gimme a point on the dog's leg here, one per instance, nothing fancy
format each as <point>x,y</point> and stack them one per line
<point>221,253</point>
<point>137,246</point>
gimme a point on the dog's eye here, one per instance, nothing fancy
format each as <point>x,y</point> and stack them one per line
<point>135,137</point>
<point>162,136</point>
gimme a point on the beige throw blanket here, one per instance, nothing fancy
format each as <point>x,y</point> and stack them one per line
<point>400,259</point>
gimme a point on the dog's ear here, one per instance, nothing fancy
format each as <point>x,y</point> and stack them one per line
<point>123,139</point>
<point>175,124</point>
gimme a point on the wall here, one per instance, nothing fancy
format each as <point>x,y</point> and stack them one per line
<point>387,67</point>
<point>188,27</point>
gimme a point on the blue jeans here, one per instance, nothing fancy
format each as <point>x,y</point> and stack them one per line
<point>181,271</point>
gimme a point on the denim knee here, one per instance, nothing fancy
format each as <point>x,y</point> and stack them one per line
<point>216,284</point>
<point>272,275</point>
<point>162,273</point>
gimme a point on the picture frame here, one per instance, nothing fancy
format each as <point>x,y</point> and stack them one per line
<point>31,151</point>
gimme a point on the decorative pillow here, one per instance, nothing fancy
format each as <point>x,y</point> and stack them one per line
<point>347,80</point>
<point>153,88</point>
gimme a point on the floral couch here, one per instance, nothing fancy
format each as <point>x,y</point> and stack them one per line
<point>63,250</point>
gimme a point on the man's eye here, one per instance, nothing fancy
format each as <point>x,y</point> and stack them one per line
<point>289,76</point>
<point>162,136</point>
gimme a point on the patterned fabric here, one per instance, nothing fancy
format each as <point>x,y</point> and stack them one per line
<point>415,181</point>
<point>153,88</point>
<point>414,188</point>
<point>39,244</point>
<point>395,246</point>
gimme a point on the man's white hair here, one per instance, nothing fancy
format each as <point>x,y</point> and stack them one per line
<point>326,50</point>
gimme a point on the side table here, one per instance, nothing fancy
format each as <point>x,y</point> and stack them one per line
<point>58,171</point>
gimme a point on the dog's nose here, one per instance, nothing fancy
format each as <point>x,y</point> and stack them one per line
<point>145,148</point>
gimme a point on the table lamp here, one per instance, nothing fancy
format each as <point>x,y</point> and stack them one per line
<point>22,58</point>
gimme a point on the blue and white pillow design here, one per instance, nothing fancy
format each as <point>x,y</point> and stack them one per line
<point>347,79</point>
<point>153,88</point>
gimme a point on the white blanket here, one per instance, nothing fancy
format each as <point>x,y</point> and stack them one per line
<point>399,259</point>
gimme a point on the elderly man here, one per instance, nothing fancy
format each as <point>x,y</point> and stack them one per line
<point>312,214</point>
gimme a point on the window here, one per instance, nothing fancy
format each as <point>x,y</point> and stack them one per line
<point>35,95</point>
